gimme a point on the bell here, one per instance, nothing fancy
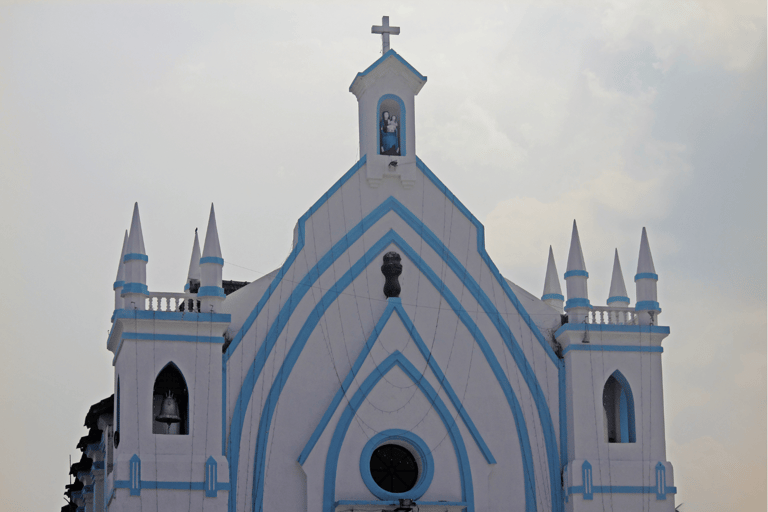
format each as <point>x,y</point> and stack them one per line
<point>169,411</point>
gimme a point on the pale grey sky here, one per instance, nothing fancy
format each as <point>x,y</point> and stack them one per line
<point>620,114</point>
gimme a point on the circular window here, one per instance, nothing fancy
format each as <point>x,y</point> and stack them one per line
<point>396,464</point>
<point>393,468</point>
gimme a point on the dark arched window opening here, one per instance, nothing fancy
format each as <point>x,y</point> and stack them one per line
<point>170,402</point>
<point>618,410</point>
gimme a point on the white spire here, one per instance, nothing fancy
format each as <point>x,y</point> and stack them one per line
<point>211,294</point>
<point>645,284</point>
<point>575,255</point>
<point>551,281</point>
<point>645,260</point>
<point>212,248</point>
<point>135,260</point>
<point>577,306</point>
<point>617,296</point>
<point>120,277</point>
<point>194,262</point>
<point>553,294</point>
<point>136,238</point>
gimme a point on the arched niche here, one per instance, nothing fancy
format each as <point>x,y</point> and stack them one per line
<point>391,125</point>
<point>170,381</point>
<point>618,410</point>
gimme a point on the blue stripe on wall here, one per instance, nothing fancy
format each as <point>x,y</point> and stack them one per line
<point>395,359</point>
<point>509,340</point>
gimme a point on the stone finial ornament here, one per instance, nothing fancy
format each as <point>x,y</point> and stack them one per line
<point>391,270</point>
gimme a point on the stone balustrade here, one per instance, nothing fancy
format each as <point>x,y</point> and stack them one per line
<point>168,301</point>
<point>612,315</point>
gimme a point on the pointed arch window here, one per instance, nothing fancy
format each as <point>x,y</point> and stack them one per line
<point>618,410</point>
<point>170,388</point>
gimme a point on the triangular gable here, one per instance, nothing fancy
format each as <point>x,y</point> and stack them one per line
<point>389,61</point>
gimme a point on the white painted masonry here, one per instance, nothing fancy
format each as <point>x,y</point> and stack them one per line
<point>506,393</point>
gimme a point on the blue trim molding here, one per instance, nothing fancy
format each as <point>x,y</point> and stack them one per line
<point>117,284</point>
<point>172,315</point>
<point>553,462</point>
<point>423,456</point>
<point>371,255</point>
<point>140,288</point>
<point>577,303</point>
<point>647,305</point>
<point>390,53</point>
<point>211,477</point>
<point>212,259</point>
<point>135,256</point>
<point>574,273</point>
<point>395,359</point>
<point>617,298</point>
<point>148,336</point>
<point>211,291</point>
<point>647,275</point>
<point>550,296</point>
<point>395,305</point>
<point>610,348</point>
<point>650,329</point>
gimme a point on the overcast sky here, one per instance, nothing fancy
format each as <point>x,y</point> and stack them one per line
<point>619,114</point>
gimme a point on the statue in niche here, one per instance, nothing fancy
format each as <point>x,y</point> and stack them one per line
<point>389,134</point>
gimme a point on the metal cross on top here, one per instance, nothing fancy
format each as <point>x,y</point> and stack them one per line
<point>385,30</point>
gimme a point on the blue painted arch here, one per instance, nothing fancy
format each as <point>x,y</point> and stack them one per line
<point>392,204</point>
<point>395,359</point>
<point>314,317</point>
<point>401,128</point>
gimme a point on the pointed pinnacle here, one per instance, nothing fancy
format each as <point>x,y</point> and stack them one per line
<point>194,262</point>
<point>644,259</point>
<point>575,255</point>
<point>551,280</point>
<point>120,271</point>
<point>212,247</point>
<point>136,237</point>
<point>618,288</point>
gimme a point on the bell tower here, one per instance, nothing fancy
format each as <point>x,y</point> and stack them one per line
<point>168,432</point>
<point>385,95</point>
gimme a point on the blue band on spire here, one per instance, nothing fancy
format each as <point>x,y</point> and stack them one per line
<point>212,259</point>
<point>646,275</point>
<point>134,288</point>
<point>548,296</point>
<point>617,298</point>
<point>135,256</point>
<point>577,303</point>
<point>211,291</point>
<point>186,287</point>
<point>118,284</point>
<point>647,305</point>
<point>572,273</point>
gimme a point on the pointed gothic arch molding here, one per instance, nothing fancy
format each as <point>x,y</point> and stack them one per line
<point>373,253</point>
<point>170,381</point>
<point>618,410</point>
<point>339,434</point>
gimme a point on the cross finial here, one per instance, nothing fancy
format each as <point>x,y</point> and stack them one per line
<point>385,30</point>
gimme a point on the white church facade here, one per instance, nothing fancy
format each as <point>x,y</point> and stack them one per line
<point>386,365</point>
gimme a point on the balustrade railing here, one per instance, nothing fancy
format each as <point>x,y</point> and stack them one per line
<point>612,315</point>
<point>168,301</point>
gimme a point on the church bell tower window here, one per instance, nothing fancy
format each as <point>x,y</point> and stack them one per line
<point>618,410</point>
<point>170,402</point>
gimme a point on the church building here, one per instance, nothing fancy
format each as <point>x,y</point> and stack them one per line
<point>386,365</point>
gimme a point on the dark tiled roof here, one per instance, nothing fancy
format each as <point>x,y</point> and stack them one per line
<point>94,436</point>
<point>105,406</point>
